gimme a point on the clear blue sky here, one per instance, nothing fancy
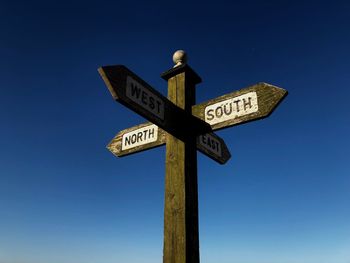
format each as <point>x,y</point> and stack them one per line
<point>282,198</point>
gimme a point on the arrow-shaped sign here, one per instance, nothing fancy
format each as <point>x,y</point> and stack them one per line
<point>136,139</point>
<point>133,92</point>
<point>214,147</point>
<point>148,135</point>
<point>252,103</point>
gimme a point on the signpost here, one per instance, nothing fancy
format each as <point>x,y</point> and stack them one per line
<point>184,127</point>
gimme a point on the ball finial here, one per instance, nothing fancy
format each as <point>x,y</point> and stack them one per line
<point>179,58</point>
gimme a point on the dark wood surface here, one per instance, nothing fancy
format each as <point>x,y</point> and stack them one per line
<point>115,146</point>
<point>221,158</point>
<point>176,121</point>
<point>181,240</point>
<point>180,128</point>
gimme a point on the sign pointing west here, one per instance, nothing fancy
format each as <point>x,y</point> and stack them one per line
<point>133,92</point>
<point>184,127</point>
<point>252,103</point>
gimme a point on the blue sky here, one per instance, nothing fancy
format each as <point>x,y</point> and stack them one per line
<point>282,198</point>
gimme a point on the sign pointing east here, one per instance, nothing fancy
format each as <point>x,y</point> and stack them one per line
<point>147,135</point>
<point>214,147</point>
<point>177,122</point>
<point>252,103</point>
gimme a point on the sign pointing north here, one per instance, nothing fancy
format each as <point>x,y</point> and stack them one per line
<point>136,139</point>
<point>252,103</point>
<point>184,127</point>
<point>147,135</point>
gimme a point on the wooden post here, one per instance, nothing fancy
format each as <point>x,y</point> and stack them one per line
<point>183,122</point>
<point>181,240</point>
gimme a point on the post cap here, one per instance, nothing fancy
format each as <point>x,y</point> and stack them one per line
<point>179,58</point>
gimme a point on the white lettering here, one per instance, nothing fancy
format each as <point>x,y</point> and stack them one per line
<point>140,137</point>
<point>231,108</point>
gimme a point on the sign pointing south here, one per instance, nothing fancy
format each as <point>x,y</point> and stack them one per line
<point>178,123</point>
<point>252,103</point>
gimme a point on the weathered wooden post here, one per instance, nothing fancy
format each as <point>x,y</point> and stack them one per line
<point>185,127</point>
<point>181,242</point>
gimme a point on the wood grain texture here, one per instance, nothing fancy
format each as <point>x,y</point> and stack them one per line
<point>115,78</point>
<point>225,153</point>
<point>181,241</point>
<point>115,146</point>
<point>268,96</point>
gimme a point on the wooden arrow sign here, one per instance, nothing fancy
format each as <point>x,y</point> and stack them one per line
<point>136,139</point>
<point>184,128</point>
<point>133,92</point>
<point>252,103</point>
<point>214,147</point>
<point>147,135</point>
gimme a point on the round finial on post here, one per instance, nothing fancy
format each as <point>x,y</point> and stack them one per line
<point>179,58</point>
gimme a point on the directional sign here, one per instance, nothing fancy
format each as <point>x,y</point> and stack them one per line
<point>133,92</point>
<point>252,103</point>
<point>148,135</point>
<point>214,147</point>
<point>136,139</point>
<point>177,122</point>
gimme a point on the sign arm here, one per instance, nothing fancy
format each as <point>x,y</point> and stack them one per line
<point>134,93</point>
<point>184,127</point>
<point>238,107</point>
